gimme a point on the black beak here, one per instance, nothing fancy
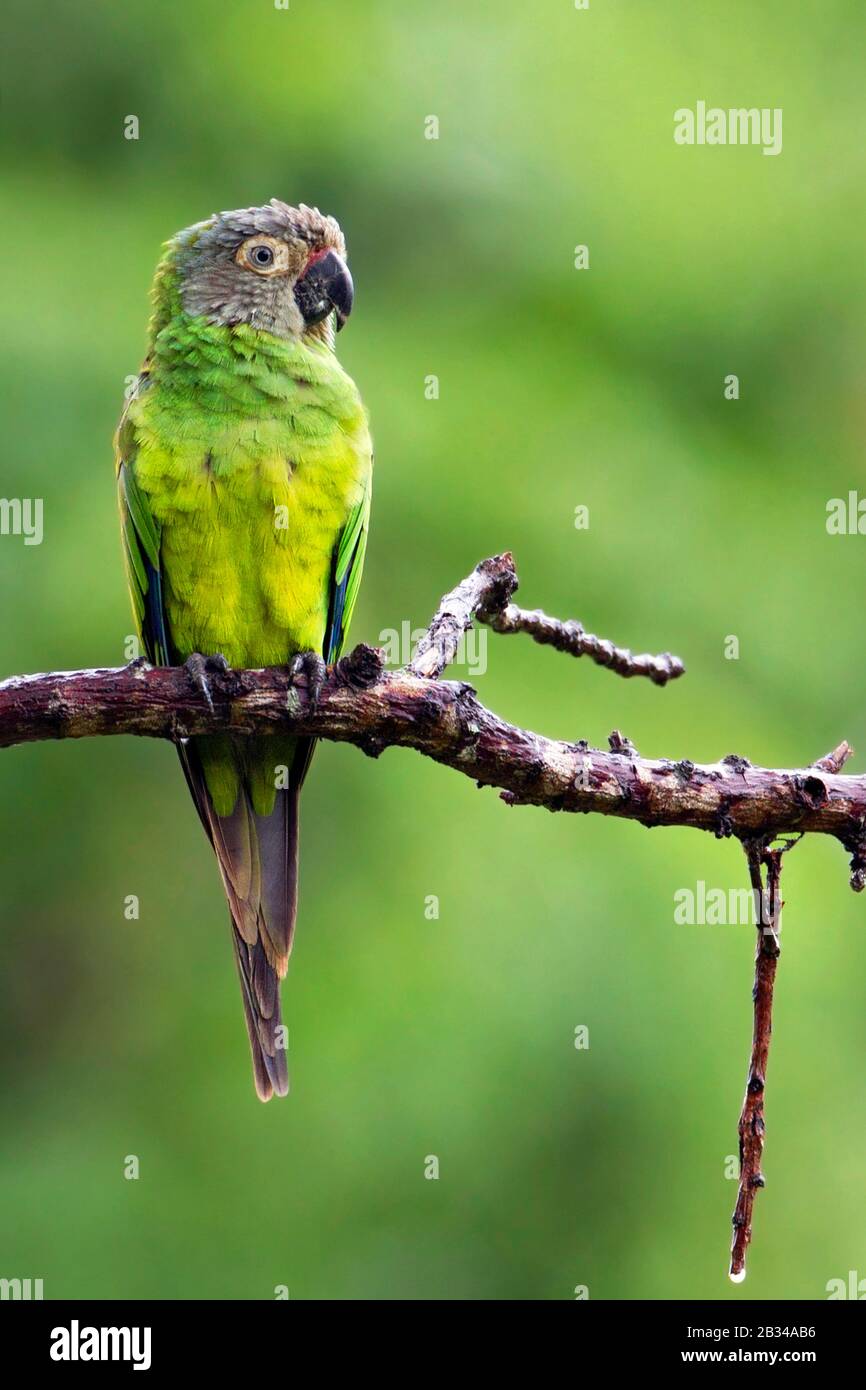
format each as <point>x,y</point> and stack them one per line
<point>325,285</point>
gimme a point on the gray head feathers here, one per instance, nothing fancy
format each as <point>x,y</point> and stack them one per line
<point>219,273</point>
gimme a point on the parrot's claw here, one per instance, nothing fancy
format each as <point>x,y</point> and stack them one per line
<point>312,667</point>
<point>198,667</point>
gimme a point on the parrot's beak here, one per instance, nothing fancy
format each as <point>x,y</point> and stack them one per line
<point>325,286</point>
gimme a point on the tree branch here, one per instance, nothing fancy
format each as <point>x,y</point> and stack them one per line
<point>360,702</point>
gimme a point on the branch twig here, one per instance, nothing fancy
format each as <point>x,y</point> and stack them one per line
<point>488,588</point>
<point>570,637</point>
<point>751,1129</point>
<point>486,595</point>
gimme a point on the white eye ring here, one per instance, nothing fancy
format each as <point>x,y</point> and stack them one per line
<point>250,254</point>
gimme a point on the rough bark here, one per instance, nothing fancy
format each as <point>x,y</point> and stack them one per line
<point>363,704</point>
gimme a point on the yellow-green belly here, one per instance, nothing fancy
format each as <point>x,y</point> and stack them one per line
<point>248,529</point>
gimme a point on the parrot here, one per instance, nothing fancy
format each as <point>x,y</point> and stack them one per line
<point>244,474</point>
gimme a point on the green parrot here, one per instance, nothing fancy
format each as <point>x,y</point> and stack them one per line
<point>244,470</point>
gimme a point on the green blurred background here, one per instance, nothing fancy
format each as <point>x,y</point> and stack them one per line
<point>454,1037</point>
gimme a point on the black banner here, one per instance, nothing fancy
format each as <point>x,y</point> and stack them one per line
<point>154,1338</point>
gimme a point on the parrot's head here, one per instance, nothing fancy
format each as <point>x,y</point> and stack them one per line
<point>279,269</point>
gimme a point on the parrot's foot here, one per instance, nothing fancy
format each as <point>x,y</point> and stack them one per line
<point>311,666</point>
<point>199,667</point>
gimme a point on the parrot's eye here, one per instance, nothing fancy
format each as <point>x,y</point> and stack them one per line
<point>266,255</point>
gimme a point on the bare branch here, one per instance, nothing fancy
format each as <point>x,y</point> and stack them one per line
<point>485,595</point>
<point>751,1129</point>
<point>835,760</point>
<point>362,703</point>
<point>570,637</point>
<point>489,586</point>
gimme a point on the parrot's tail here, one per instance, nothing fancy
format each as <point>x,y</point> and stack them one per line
<point>258,862</point>
<point>260,988</point>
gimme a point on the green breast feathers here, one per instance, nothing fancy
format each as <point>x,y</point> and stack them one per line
<point>252,458</point>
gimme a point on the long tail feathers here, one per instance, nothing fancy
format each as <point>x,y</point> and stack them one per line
<point>258,862</point>
<point>261,995</point>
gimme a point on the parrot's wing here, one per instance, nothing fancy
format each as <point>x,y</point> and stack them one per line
<point>346,571</point>
<point>141,547</point>
<point>347,567</point>
<point>236,839</point>
<point>141,543</point>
